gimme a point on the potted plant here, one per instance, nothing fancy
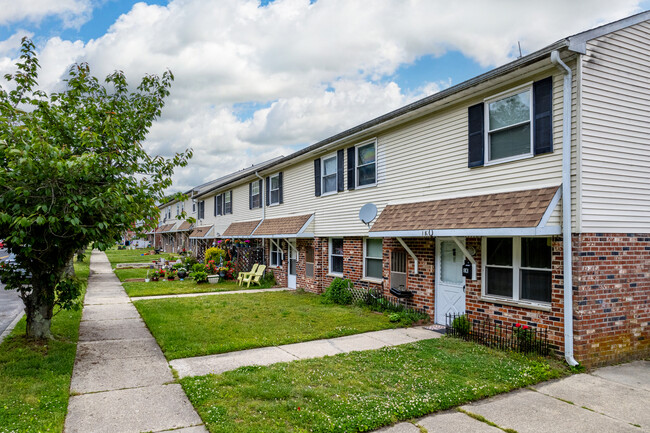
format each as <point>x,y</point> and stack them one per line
<point>155,276</point>
<point>200,277</point>
<point>171,274</point>
<point>182,273</point>
<point>161,274</point>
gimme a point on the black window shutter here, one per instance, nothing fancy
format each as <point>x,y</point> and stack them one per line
<point>352,162</point>
<point>475,129</point>
<point>215,205</point>
<point>261,185</point>
<point>317,177</point>
<point>219,202</point>
<point>280,186</point>
<point>268,190</point>
<point>339,170</point>
<point>543,116</point>
<point>232,203</point>
<point>250,195</point>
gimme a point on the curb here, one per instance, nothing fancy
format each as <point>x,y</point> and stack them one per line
<point>11,326</point>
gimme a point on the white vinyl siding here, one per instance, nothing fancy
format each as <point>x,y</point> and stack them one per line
<point>615,132</point>
<point>240,210</point>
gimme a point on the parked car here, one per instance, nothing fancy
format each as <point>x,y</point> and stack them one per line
<point>2,243</point>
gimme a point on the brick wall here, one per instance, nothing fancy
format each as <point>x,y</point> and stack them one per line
<point>280,272</point>
<point>612,300</point>
<point>479,309</point>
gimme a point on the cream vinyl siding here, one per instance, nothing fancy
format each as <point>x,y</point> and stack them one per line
<point>426,159</point>
<point>615,133</point>
<point>240,210</point>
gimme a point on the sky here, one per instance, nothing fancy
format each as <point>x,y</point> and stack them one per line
<point>257,79</point>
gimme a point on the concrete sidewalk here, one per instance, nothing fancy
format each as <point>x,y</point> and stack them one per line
<point>608,400</point>
<point>201,365</point>
<point>121,380</point>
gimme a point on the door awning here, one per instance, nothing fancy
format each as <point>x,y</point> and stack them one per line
<point>184,227</point>
<point>200,232</point>
<point>241,229</point>
<point>286,227</point>
<point>164,228</point>
<point>517,213</point>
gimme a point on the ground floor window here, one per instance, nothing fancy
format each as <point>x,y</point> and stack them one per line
<point>373,258</point>
<point>336,256</point>
<point>276,254</point>
<point>518,268</point>
<point>309,262</point>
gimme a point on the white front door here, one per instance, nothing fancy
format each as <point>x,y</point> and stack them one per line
<point>450,283</point>
<point>293,264</point>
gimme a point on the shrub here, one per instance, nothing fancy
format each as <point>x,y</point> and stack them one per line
<point>200,277</point>
<point>268,279</point>
<point>338,292</point>
<point>198,267</point>
<point>190,261</point>
<point>461,325</point>
<point>216,254</point>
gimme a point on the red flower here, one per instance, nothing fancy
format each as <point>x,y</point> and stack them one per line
<point>298,407</point>
<point>518,325</point>
<point>525,327</point>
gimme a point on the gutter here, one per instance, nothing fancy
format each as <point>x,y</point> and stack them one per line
<point>262,192</point>
<point>567,250</point>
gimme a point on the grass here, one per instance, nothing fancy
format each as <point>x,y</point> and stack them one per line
<point>360,391</point>
<point>186,327</point>
<point>177,287</point>
<point>116,256</point>
<point>35,376</point>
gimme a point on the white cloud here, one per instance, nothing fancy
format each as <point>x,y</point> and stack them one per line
<point>315,69</point>
<point>72,13</point>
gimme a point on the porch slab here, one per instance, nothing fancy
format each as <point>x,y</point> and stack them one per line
<point>109,312</point>
<point>99,330</point>
<point>112,374</point>
<point>635,374</point>
<point>156,408</point>
<point>455,422</point>
<point>596,393</point>
<point>528,411</point>
<point>96,351</point>
<point>215,364</point>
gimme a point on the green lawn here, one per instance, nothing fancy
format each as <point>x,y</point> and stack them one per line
<point>116,256</point>
<point>177,287</point>
<point>35,377</point>
<point>205,325</point>
<point>360,391</point>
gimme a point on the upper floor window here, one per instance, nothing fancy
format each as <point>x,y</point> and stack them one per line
<point>366,164</point>
<point>509,132</point>
<point>193,206</point>
<point>274,193</point>
<point>518,268</point>
<point>329,174</point>
<point>178,209</point>
<point>227,202</point>
<point>201,213</point>
<point>255,194</point>
<point>511,125</point>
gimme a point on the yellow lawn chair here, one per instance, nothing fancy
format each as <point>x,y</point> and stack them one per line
<point>254,278</point>
<point>241,275</point>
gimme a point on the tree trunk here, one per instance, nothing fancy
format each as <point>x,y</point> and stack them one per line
<point>81,252</point>
<point>38,307</point>
<point>69,269</point>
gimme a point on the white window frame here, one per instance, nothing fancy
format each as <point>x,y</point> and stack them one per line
<point>329,258</point>
<point>322,174</point>
<point>178,209</point>
<point>356,164</point>
<point>486,122</point>
<point>225,210</point>
<point>256,184</point>
<point>516,279</point>
<point>271,202</point>
<point>365,256</point>
<point>276,252</point>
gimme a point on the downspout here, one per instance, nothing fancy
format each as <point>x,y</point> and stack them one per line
<point>566,209</point>
<point>263,211</point>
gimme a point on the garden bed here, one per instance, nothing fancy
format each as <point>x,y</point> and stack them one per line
<point>186,327</point>
<point>361,391</point>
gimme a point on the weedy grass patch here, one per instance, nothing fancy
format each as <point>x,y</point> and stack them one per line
<point>35,375</point>
<point>177,287</point>
<point>361,391</point>
<point>186,327</point>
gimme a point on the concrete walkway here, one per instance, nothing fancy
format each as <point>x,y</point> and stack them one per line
<point>192,295</point>
<point>121,380</point>
<point>201,365</point>
<point>608,400</point>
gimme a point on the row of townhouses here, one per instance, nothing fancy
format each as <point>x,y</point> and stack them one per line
<point>519,196</point>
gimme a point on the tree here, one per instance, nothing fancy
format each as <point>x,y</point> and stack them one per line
<point>74,173</point>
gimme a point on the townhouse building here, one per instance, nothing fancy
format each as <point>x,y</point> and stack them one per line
<point>519,196</point>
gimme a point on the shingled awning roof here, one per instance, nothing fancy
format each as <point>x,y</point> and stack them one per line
<point>185,226</point>
<point>200,232</point>
<point>244,228</point>
<point>284,227</point>
<point>519,209</point>
<point>164,228</point>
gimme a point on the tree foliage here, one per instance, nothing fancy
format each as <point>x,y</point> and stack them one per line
<point>74,173</point>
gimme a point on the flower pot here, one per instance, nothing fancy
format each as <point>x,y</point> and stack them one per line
<point>213,279</point>
<point>182,274</point>
<point>146,280</point>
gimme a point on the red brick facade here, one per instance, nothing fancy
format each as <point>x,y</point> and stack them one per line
<point>611,289</point>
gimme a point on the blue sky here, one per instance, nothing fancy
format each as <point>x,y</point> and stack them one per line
<point>254,81</point>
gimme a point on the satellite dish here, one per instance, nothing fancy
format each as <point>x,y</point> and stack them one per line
<point>367,213</point>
